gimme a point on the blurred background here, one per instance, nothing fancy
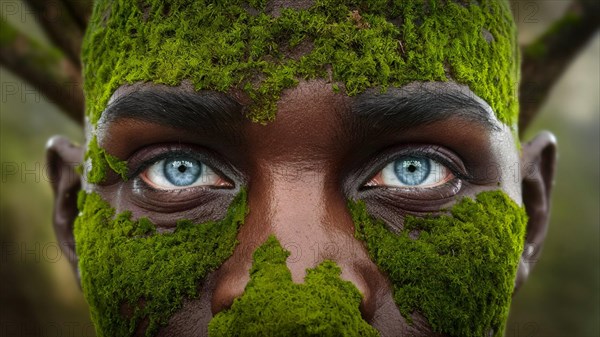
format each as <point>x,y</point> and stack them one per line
<point>38,292</point>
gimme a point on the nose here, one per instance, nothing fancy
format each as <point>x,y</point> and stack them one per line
<point>310,219</point>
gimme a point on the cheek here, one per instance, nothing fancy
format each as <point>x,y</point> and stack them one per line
<point>132,276</point>
<point>458,271</point>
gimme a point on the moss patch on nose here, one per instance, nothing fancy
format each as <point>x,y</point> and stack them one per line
<point>131,275</point>
<point>272,305</point>
<point>460,270</point>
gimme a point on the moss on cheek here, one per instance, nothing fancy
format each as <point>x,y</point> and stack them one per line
<point>272,305</point>
<point>460,271</point>
<point>126,263</point>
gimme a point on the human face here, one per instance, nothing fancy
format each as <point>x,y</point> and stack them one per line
<point>299,171</point>
<point>185,195</point>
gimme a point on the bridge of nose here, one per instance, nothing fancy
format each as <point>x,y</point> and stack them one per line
<point>294,193</point>
<point>310,220</point>
<point>294,164</point>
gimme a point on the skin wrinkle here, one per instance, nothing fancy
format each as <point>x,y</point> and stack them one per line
<point>300,169</point>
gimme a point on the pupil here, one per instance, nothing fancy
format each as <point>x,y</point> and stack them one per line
<point>182,168</point>
<point>412,168</point>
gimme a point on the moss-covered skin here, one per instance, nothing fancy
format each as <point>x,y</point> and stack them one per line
<point>126,264</point>
<point>226,44</point>
<point>460,270</point>
<point>101,162</point>
<point>272,305</point>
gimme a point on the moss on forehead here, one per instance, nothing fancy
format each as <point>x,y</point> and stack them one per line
<point>460,270</point>
<point>220,45</point>
<point>273,305</point>
<point>126,265</point>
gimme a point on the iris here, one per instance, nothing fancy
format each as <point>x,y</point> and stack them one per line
<point>412,170</point>
<point>182,172</point>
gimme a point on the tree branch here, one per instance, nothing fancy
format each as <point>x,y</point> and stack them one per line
<point>545,60</point>
<point>44,68</point>
<point>80,11</point>
<point>61,28</point>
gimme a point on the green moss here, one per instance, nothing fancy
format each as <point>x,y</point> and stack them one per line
<point>79,169</point>
<point>127,264</point>
<point>272,305</point>
<point>101,161</point>
<point>460,270</point>
<point>223,45</point>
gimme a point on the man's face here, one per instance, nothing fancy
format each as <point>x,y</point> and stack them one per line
<point>366,193</point>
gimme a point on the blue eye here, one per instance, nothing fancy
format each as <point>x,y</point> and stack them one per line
<point>181,172</point>
<point>412,171</point>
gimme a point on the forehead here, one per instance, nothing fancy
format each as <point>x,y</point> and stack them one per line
<point>261,51</point>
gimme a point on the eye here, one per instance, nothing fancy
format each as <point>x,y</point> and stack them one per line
<point>412,171</point>
<point>180,172</point>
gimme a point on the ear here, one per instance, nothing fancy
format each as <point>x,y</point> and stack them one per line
<point>62,158</point>
<point>538,164</point>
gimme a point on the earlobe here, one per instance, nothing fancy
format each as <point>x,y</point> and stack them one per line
<point>62,158</point>
<point>538,164</point>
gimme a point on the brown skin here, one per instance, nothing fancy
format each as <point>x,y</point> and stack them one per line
<point>300,170</point>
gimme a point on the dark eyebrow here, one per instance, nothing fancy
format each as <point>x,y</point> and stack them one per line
<point>401,109</point>
<point>177,108</point>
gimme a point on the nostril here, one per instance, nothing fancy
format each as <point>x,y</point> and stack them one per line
<point>367,308</point>
<point>366,281</point>
<point>230,284</point>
